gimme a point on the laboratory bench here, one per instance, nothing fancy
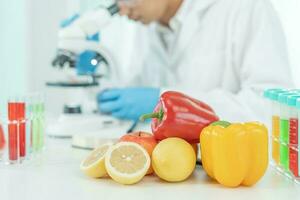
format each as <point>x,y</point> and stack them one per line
<point>55,174</point>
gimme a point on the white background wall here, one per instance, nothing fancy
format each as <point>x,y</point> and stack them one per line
<point>28,42</point>
<point>13,49</point>
<point>45,16</point>
<point>289,13</point>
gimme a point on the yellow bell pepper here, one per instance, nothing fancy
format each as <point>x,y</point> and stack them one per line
<point>235,154</point>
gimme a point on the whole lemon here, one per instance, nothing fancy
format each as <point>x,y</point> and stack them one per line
<point>173,160</point>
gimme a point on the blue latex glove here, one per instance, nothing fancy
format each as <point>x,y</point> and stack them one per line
<point>129,103</point>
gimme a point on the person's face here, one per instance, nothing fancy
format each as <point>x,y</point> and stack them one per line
<point>145,11</point>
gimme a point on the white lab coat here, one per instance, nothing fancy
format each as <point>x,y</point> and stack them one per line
<point>226,53</point>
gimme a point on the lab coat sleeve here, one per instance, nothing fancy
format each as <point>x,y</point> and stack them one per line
<point>261,61</point>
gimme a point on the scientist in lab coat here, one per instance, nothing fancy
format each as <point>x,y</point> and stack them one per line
<point>222,52</point>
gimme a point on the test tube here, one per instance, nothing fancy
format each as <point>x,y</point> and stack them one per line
<point>2,141</point>
<point>21,128</point>
<point>38,124</point>
<point>293,134</point>
<point>273,96</point>
<point>41,119</point>
<point>28,127</point>
<point>284,130</point>
<point>35,131</point>
<point>13,132</point>
<point>298,136</point>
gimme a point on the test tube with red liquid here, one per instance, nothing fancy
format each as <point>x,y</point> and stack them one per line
<point>12,132</point>
<point>22,128</point>
<point>16,131</point>
<point>293,135</point>
<point>2,139</point>
<point>293,152</point>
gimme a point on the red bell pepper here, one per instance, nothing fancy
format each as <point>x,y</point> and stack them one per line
<point>178,115</point>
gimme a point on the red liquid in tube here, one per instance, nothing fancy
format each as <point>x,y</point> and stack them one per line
<point>12,132</point>
<point>2,138</point>
<point>293,153</point>
<point>22,128</point>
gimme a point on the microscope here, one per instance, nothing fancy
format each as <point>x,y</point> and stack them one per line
<point>80,116</point>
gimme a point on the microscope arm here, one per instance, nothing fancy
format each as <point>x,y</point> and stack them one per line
<point>89,23</point>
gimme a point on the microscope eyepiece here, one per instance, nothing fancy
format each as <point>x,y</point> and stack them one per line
<point>113,9</point>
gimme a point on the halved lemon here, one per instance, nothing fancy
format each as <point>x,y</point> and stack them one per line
<point>127,162</point>
<point>94,164</point>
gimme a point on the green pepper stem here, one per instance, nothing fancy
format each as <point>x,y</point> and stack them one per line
<point>223,124</point>
<point>156,115</point>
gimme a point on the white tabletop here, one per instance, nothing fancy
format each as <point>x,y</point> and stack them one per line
<point>57,176</point>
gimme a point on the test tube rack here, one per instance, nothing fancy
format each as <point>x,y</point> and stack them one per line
<point>285,123</point>
<point>22,130</point>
